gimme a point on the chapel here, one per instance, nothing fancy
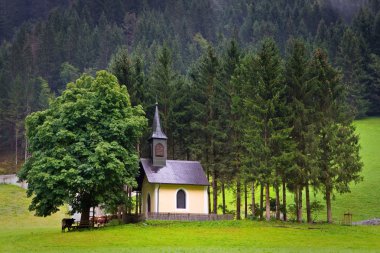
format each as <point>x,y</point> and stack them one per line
<point>170,186</point>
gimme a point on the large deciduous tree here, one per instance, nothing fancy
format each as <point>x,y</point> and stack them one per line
<point>83,148</point>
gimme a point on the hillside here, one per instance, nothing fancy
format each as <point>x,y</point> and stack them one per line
<point>15,215</point>
<point>20,231</point>
<point>364,201</point>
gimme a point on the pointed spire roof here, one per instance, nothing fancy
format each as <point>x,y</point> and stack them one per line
<point>157,131</point>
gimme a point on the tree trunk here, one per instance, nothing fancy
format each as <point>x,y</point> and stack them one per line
<point>85,216</point>
<point>284,200</point>
<point>16,146</point>
<point>138,149</point>
<point>253,199</point>
<point>214,192</point>
<point>208,192</point>
<point>296,201</point>
<point>119,211</point>
<point>26,149</point>
<point>261,201</point>
<point>267,202</point>
<point>137,203</point>
<point>278,211</point>
<point>238,199</point>
<point>25,137</point>
<point>223,198</point>
<point>93,216</point>
<point>308,206</point>
<point>328,206</point>
<point>173,147</point>
<point>245,201</point>
<point>299,211</point>
<point>130,199</point>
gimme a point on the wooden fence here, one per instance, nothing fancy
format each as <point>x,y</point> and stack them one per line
<point>188,216</point>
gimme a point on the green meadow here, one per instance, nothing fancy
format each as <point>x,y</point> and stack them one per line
<point>20,231</point>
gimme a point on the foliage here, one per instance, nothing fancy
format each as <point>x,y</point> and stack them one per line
<point>252,114</point>
<point>83,147</point>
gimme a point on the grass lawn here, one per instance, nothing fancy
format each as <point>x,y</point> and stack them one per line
<point>226,236</point>
<point>20,231</point>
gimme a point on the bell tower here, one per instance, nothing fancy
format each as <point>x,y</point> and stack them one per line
<point>158,142</point>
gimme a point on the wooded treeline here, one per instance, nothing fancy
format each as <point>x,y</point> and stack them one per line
<point>257,113</point>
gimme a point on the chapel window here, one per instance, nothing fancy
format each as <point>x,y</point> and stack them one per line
<point>181,199</point>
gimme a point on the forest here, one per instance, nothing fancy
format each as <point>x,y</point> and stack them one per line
<point>252,89</point>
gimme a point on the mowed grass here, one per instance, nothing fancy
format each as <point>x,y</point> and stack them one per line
<point>364,199</point>
<point>20,231</point>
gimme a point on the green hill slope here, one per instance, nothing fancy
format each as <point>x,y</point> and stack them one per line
<point>364,200</point>
<point>14,211</point>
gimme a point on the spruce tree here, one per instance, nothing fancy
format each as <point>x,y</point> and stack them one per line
<point>338,149</point>
<point>205,107</point>
<point>265,104</point>
<point>233,121</point>
<point>351,60</point>
<point>300,97</point>
<point>373,88</point>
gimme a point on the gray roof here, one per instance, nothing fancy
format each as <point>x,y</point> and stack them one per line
<point>157,131</point>
<point>175,172</point>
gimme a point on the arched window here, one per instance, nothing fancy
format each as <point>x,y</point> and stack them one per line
<point>181,199</point>
<point>160,150</point>
<point>148,203</point>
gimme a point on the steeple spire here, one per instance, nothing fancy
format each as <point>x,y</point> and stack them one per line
<point>157,131</point>
<point>158,142</point>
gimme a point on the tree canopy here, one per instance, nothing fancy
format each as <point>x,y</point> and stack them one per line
<point>83,147</point>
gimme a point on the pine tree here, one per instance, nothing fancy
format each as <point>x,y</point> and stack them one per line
<point>68,73</point>
<point>299,95</point>
<point>373,88</point>
<point>338,154</point>
<point>122,67</point>
<point>205,107</point>
<point>233,121</point>
<point>376,34</point>
<point>15,113</point>
<point>163,80</point>
<point>350,59</point>
<point>265,105</point>
<point>363,25</point>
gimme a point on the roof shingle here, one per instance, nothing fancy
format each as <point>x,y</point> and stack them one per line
<point>175,172</point>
